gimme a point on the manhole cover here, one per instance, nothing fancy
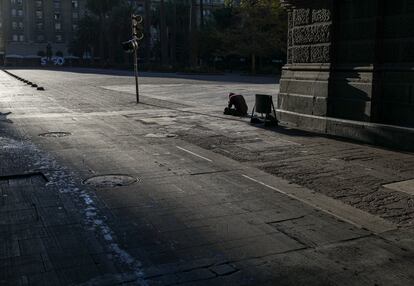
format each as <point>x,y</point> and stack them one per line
<point>106,181</point>
<point>55,134</point>
<point>160,135</point>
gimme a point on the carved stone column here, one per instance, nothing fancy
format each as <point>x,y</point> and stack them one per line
<point>304,86</point>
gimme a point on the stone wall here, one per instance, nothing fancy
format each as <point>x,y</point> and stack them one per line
<point>352,76</point>
<point>397,77</point>
<point>350,59</point>
<point>304,83</point>
<point>309,35</point>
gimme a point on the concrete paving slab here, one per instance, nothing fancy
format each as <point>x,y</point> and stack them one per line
<point>208,200</point>
<point>324,203</point>
<point>404,187</point>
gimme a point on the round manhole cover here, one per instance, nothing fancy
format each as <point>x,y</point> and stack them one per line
<point>106,181</point>
<point>55,134</point>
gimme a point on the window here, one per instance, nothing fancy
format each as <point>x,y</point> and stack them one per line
<point>75,15</point>
<point>16,25</point>
<point>59,38</point>
<point>74,27</point>
<point>20,13</point>
<point>39,15</point>
<point>39,26</point>
<point>39,3</point>
<point>57,16</point>
<point>75,4</point>
<point>14,12</point>
<point>21,38</point>
<point>15,38</point>
<point>58,26</point>
<point>56,4</point>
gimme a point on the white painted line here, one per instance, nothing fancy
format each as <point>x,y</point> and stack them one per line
<point>373,224</point>
<point>192,153</point>
<point>270,187</point>
<point>299,199</point>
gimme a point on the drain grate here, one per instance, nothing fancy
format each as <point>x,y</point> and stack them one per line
<point>106,181</point>
<point>55,134</point>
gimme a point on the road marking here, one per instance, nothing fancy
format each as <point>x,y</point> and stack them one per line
<point>192,153</point>
<point>302,200</point>
<point>337,209</point>
<point>270,187</point>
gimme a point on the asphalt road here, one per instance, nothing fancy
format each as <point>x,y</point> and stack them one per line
<point>189,196</point>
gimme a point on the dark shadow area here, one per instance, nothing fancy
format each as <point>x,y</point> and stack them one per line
<point>156,229</point>
<point>3,117</point>
<point>230,78</point>
<point>181,236</point>
<point>378,138</point>
<point>346,101</point>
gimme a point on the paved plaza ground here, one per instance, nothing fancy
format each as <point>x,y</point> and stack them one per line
<point>98,190</point>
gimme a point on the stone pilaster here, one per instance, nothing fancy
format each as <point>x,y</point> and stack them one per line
<point>304,85</point>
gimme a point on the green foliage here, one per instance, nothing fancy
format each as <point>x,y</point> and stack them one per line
<point>257,29</point>
<point>101,7</point>
<point>101,31</point>
<point>254,30</point>
<point>87,36</point>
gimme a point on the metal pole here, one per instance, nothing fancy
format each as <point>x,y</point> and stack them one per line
<point>137,35</point>
<point>136,73</point>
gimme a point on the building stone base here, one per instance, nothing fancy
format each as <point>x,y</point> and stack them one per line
<point>365,132</point>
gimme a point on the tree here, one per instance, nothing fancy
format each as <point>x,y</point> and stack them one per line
<point>193,33</point>
<point>101,31</point>
<point>173,43</point>
<point>119,30</point>
<point>101,9</point>
<point>163,34</point>
<point>256,29</point>
<point>86,40</point>
<point>147,31</point>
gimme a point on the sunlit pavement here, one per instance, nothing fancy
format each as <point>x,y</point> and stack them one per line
<point>99,190</point>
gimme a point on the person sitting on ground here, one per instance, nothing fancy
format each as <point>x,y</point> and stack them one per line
<point>240,106</point>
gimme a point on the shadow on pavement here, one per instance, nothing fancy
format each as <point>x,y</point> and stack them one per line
<point>3,117</point>
<point>231,78</point>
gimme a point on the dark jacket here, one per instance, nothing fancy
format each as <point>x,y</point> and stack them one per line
<point>239,103</point>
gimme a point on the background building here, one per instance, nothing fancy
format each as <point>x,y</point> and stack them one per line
<point>350,69</point>
<point>29,26</point>
<point>33,28</point>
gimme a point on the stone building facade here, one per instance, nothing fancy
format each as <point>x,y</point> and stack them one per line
<point>350,68</point>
